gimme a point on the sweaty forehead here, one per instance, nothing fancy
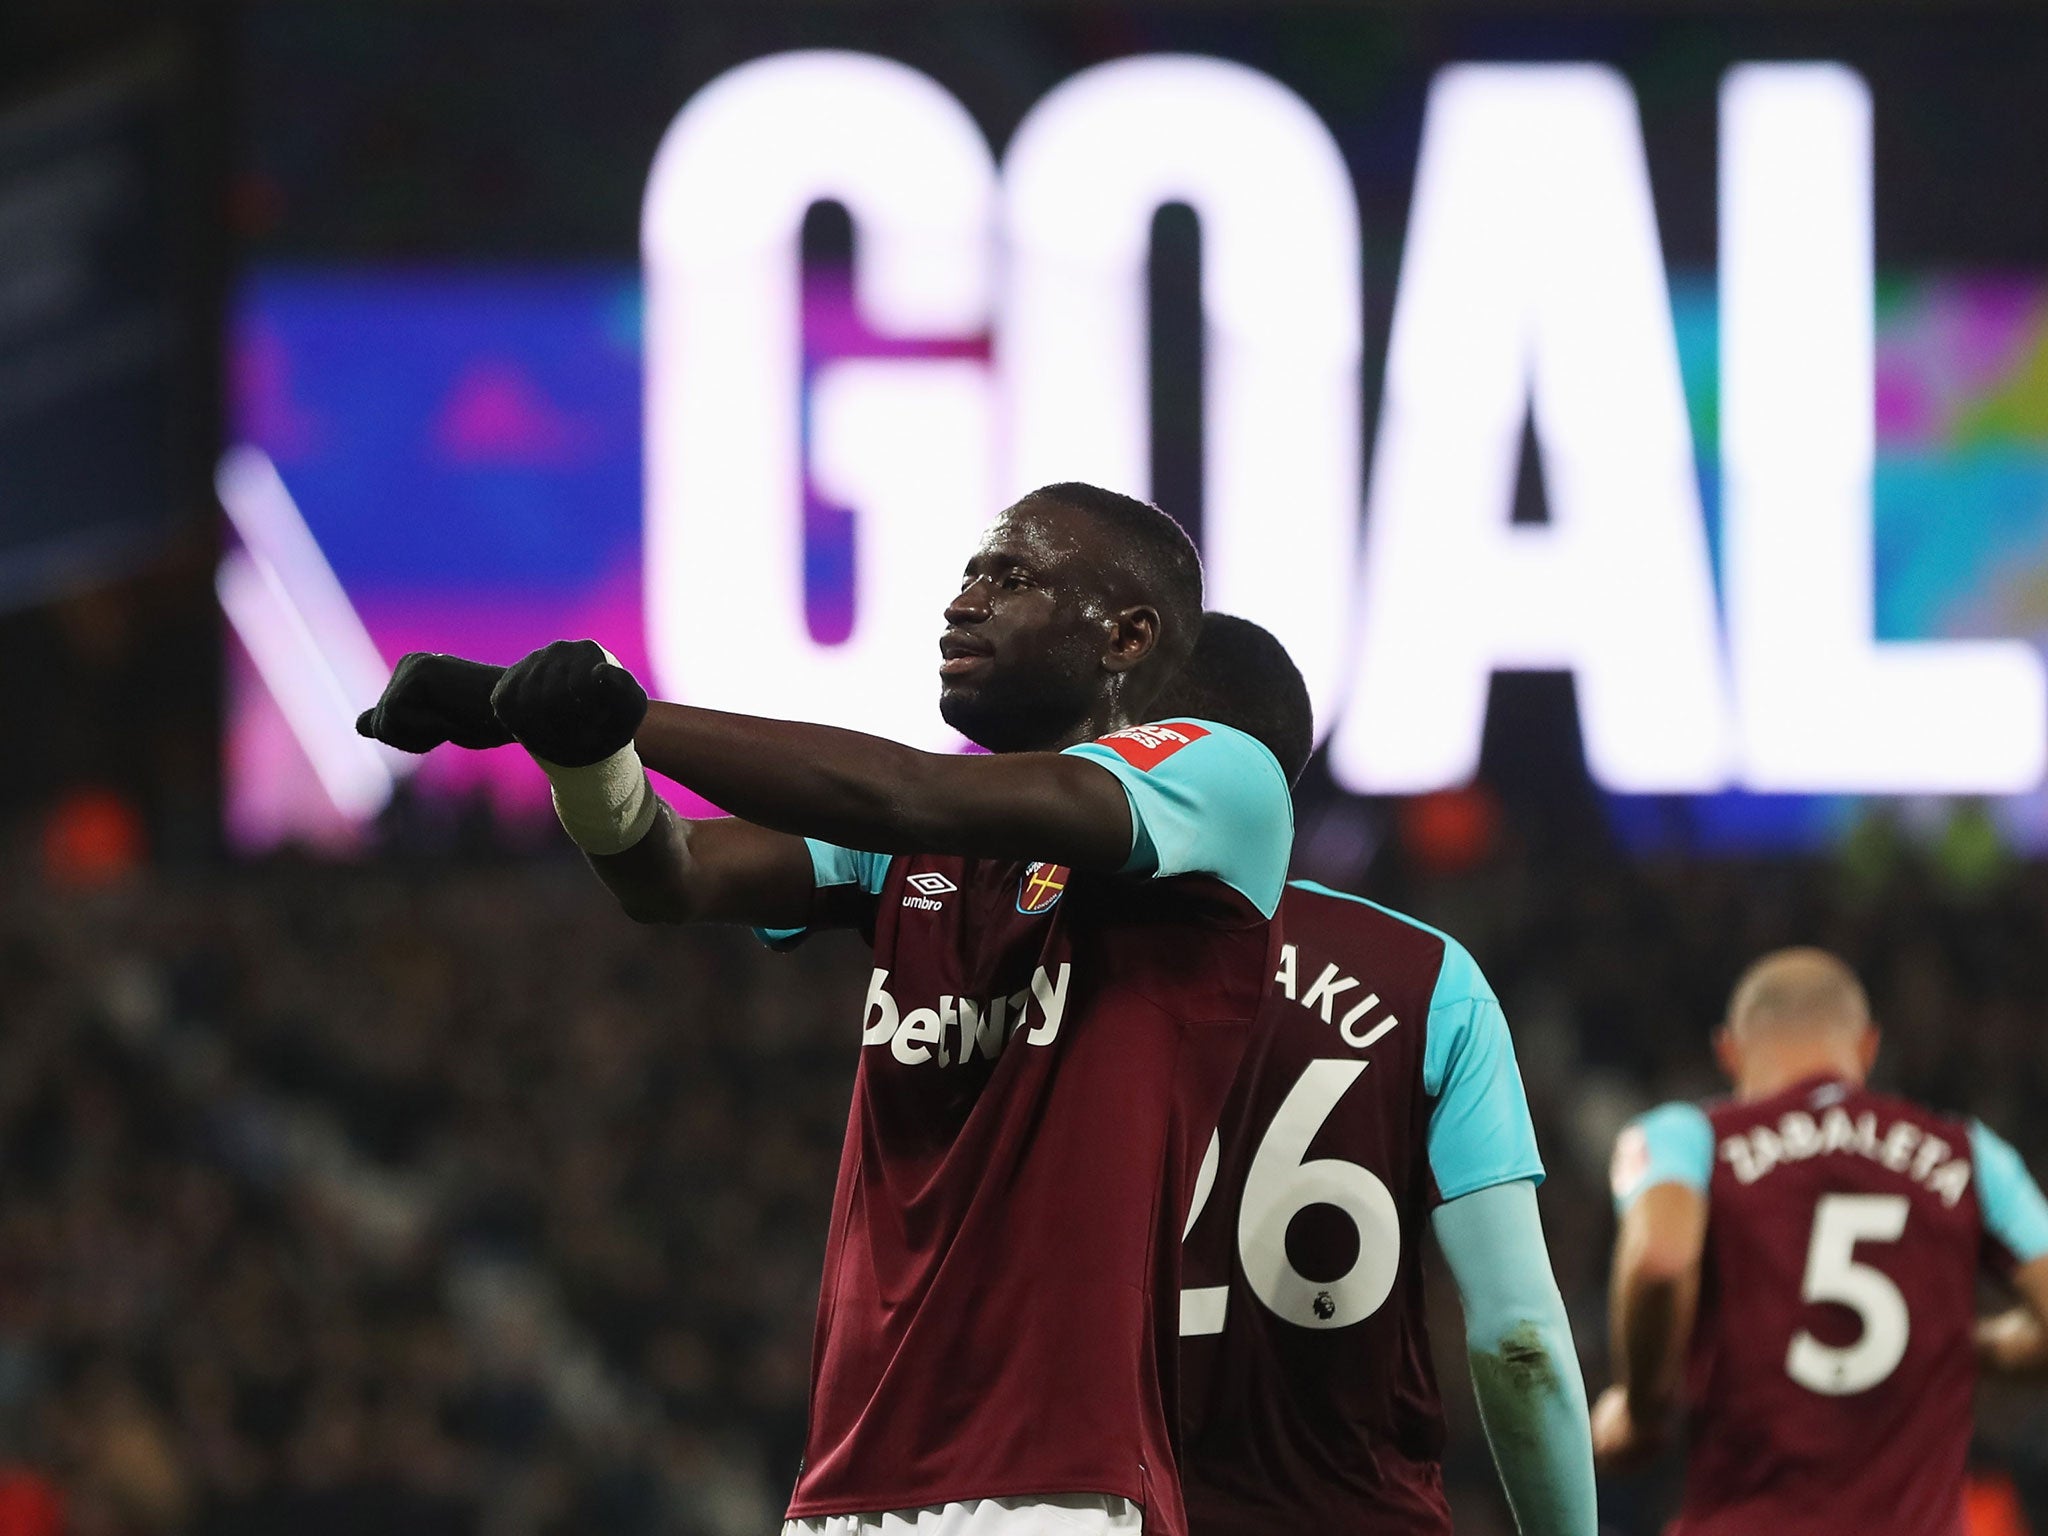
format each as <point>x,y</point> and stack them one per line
<point>1043,536</point>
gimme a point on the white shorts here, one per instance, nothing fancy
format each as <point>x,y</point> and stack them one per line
<point>1059,1514</point>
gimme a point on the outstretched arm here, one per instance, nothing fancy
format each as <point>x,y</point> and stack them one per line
<point>865,792</point>
<point>582,716</point>
<point>711,872</point>
<point>1525,1369</point>
<point>661,868</point>
<point>1654,1294</point>
<point>590,726</point>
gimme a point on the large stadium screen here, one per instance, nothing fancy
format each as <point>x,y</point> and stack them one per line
<point>1683,361</point>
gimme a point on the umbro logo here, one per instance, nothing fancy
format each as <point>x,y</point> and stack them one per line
<point>928,888</point>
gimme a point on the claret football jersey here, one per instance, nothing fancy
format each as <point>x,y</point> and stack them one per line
<point>1829,1386</point>
<point>1043,1055</point>
<point>1380,1083</point>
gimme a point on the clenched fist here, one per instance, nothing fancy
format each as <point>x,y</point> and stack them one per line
<point>431,699</point>
<point>570,704</point>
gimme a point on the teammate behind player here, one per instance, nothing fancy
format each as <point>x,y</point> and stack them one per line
<point>1046,1045</point>
<point>1380,1095</point>
<point>1797,1267</point>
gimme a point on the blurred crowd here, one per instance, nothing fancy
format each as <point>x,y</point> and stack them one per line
<point>435,1197</point>
<point>418,1201</point>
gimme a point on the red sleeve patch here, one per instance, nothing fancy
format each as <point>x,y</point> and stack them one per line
<point>1145,747</point>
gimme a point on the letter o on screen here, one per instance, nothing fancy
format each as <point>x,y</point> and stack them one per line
<point>1088,169</point>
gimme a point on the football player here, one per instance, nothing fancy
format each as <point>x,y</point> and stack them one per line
<point>1379,1098</point>
<point>1071,937</point>
<point>1796,1277</point>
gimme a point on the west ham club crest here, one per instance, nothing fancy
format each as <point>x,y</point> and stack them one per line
<point>1042,885</point>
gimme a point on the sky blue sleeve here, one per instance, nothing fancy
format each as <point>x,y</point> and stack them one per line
<point>1480,1133</point>
<point>1535,1414</point>
<point>2014,1209</point>
<point>1205,799</point>
<point>1672,1144</point>
<point>831,865</point>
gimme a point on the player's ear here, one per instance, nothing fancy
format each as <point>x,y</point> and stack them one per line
<point>1728,1053</point>
<point>1133,633</point>
<point>1867,1048</point>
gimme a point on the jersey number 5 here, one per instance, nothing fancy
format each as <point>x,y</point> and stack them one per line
<point>1277,1187</point>
<point>1840,1222</point>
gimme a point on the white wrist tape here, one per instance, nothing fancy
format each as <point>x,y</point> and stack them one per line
<point>605,807</point>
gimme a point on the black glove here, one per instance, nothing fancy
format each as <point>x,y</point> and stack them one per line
<point>569,705</point>
<point>431,699</point>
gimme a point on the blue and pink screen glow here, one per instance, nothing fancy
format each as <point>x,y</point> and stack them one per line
<point>465,445</point>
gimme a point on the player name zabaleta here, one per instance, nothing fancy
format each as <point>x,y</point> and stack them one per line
<point>1903,1148</point>
<point>952,1032</point>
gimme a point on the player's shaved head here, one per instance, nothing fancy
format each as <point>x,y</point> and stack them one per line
<point>1154,560</point>
<point>1796,1014</point>
<point>1792,992</point>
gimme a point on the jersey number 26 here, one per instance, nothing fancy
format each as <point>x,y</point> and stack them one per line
<point>1278,1186</point>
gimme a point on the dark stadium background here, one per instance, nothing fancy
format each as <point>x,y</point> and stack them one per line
<point>419,1191</point>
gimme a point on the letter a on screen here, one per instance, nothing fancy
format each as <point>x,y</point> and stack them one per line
<point>1532,290</point>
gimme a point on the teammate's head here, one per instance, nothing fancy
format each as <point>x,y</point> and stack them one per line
<point>1241,676</point>
<point>1796,1013</point>
<point>1073,613</point>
